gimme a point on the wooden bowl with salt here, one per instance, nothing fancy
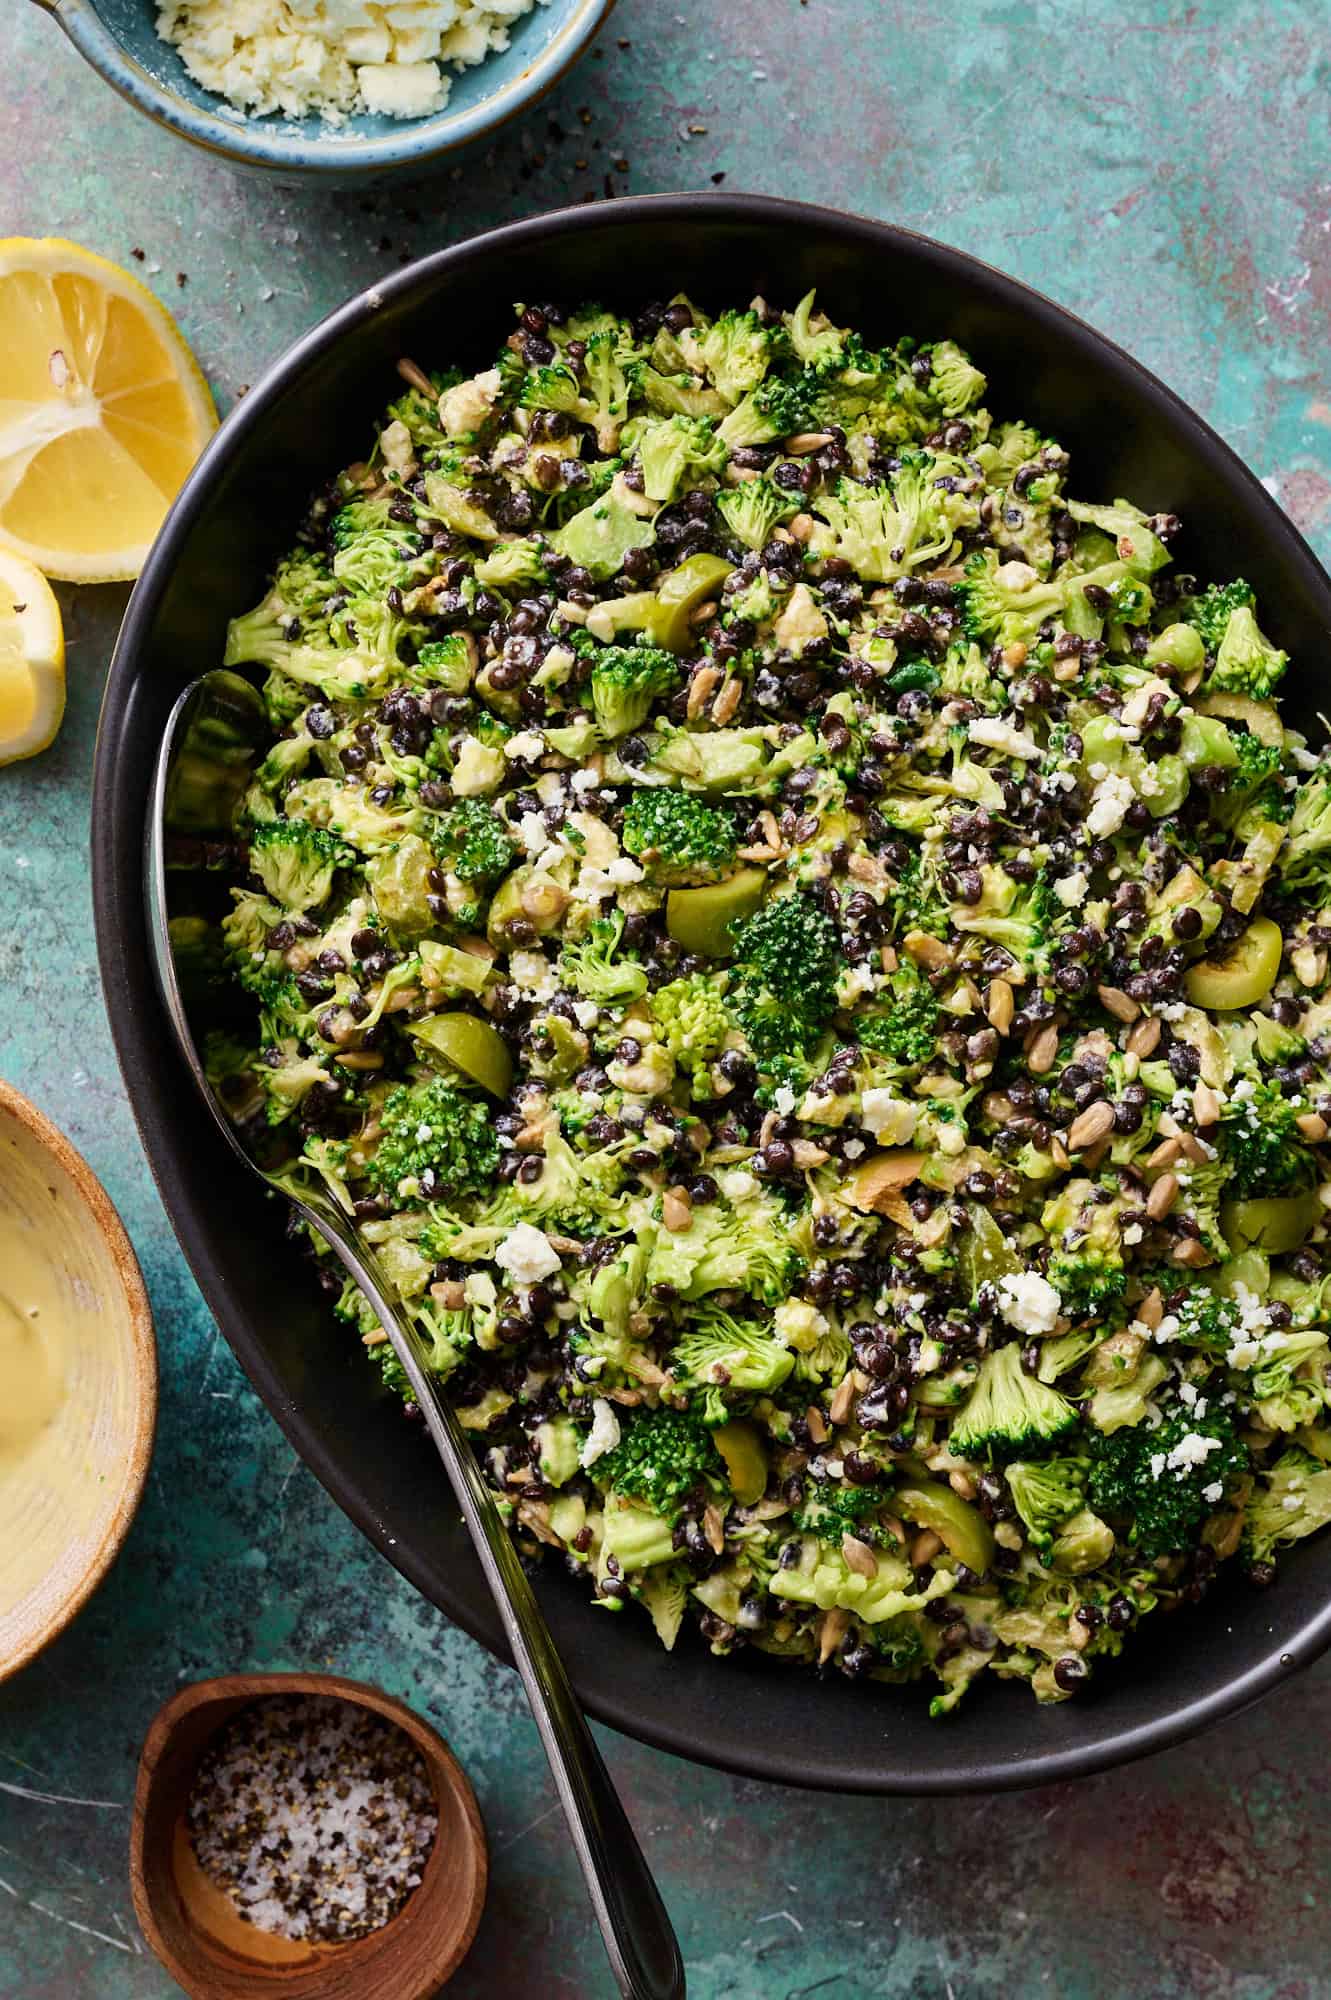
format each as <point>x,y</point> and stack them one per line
<point>199,1933</point>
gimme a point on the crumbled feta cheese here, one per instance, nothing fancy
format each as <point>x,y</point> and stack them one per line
<point>1029,1302</point>
<point>783,1101</point>
<point>604,881</point>
<point>992,733</point>
<point>604,1434</point>
<point>1133,1233</point>
<point>534,832</point>
<point>853,982</point>
<point>526,1255</point>
<point>1213,1493</point>
<point>335,57</point>
<point>854,1149</point>
<point>889,1118</point>
<point>586,1012</point>
<point>1193,1449</point>
<point>1071,891</point>
<point>528,744</point>
<point>738,1186</point>
<point>465,407</point>
<point>1110,801</point>
<point>584,781</point>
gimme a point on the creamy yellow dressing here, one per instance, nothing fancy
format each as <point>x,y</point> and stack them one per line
<point>33,1352</point>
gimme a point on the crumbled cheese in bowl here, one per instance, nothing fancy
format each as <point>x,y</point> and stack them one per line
<point>335,57</point>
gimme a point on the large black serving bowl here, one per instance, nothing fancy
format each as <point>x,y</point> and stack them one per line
<point>312,413</point>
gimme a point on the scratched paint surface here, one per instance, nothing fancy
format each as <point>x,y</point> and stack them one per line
<point>1164,170</point>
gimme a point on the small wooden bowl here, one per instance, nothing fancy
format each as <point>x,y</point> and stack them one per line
<point>66,1505</point>
<point>216,1954</point>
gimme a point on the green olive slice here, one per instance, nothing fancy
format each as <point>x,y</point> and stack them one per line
<point>680,592</point>
<point>470,1045</point>
<point>745,1460</point>
<point>701,919</point>
<point>1239,976</point>
<point>961,1528</point>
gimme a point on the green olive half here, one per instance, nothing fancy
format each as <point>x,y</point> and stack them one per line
<point>1274,1224</point>
<point>471,1046</point>
<point>961,1528</point>
<point>701,919</point>
<point>1242,974</point>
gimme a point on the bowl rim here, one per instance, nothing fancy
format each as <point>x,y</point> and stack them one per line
<point>955,1772</point>
<point>262,143</point>
<point>143,1355</point>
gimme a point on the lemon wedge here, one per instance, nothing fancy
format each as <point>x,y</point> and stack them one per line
<point>102,411</point>
<point>32,660</point>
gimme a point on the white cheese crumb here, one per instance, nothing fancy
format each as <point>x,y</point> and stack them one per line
<point>1029,1302</point>
<point>528,743</point>
<point>1213,1493</point>
<point>584,781</point>
<point>526,1255</point>
<point>738,1186</point>
<point>889,1118</point>
<point>1071,891</point>
<point>465,407</point>
<point>1113,795</point>
<point>587,1013</point>
<point>603,1435</point>
<point>995,734</point>
<point>783,1100</point>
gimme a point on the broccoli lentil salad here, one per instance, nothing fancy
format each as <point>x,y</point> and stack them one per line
<point>802,945</point>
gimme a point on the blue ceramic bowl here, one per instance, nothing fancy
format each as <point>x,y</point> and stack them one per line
<point>119,38</point>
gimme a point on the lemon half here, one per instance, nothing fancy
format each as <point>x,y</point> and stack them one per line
<point>102,411</point>
<point>32,660</point>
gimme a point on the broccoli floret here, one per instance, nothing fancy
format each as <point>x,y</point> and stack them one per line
<point>287,1078</point>
<point>736,350</point>
<point>1022,920</point>
<point>1086,1264</point>
<point>300,591</point>
<point>1210,612</point>
<point>1009,1411</point>
<point>661,1456</point>
<point>626,680</point>
<point>1305,859</point>
<point>611,372</point>
<point>746,1250</point>
<point>1289,1388</point>
<point>887,531</point>
<point>917,904</point>
<point>1289,1502</point>
<point>372,552</point>
<point>832,1508</point>
<point>472,841</point>
<point>721,1355</point>
<point>955,383</point>
<point>1262,1144</point>
<point>1247,662</point>
<point>1208,1321</point>
<point>296,862</point>
<point>677,836</point>
<point>752,509</point>
<point>907,1028</point>
<point>775,409</point>
<point>819,347</point>
<point>1254,795</point>
<point>677,450</point>
<point>1046,1493</point>
<point>433,1141</point>
<point>1158,1484</point>
<point>513,566</point>
<point>789,954</point>
<point>1007,603</point>
<point>593,967</point>
<point>691,1018</point>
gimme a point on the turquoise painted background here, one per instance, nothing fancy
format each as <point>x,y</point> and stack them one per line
<point>1164,170</point>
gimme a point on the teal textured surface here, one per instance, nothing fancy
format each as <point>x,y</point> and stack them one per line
<point>1169,178</point>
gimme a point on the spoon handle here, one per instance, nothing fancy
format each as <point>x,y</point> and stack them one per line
<point>635,1927</point>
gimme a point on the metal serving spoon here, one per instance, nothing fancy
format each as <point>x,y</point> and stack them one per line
<point>213,737</point>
